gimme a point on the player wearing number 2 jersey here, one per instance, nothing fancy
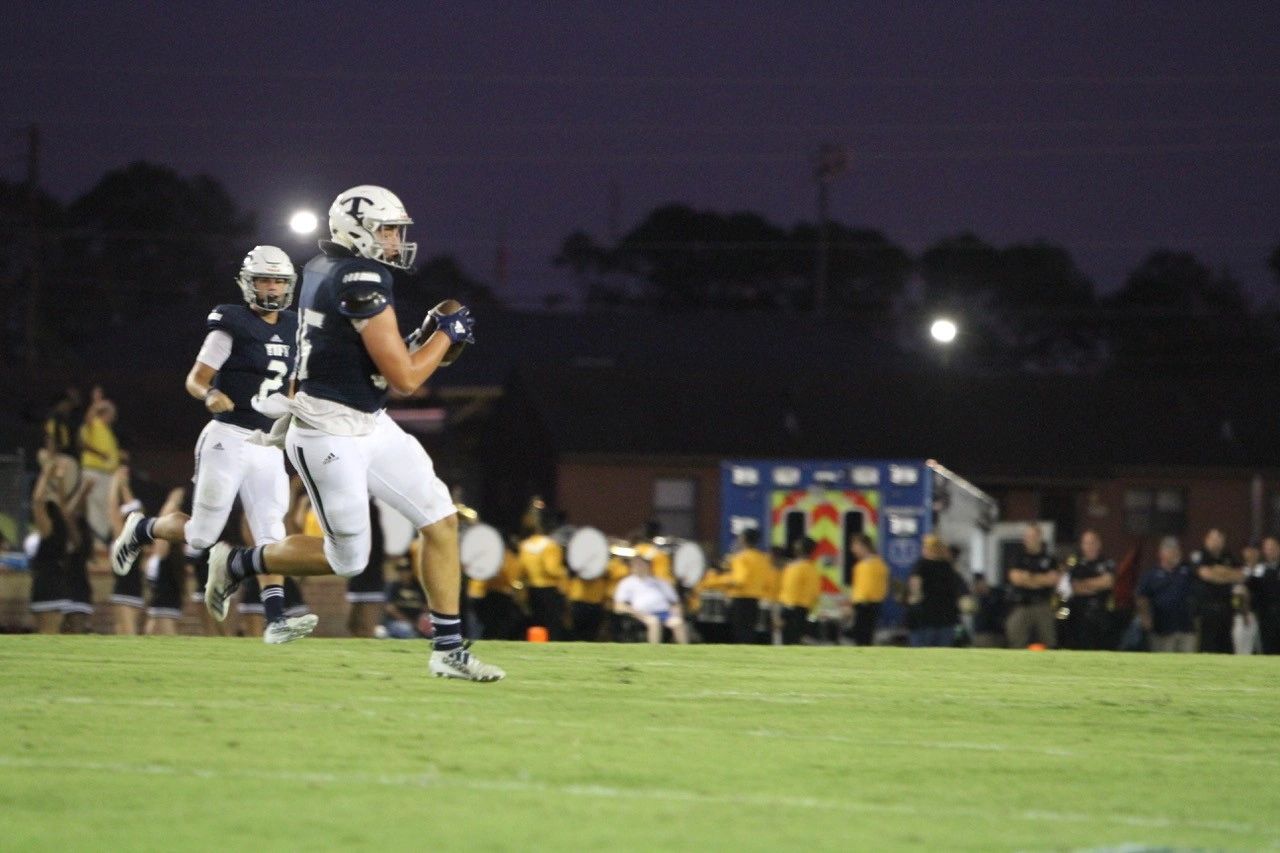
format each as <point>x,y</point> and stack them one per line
<point>342,442</point>
<point>248,355</point>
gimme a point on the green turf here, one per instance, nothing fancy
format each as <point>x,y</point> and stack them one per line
<point>190,743</point>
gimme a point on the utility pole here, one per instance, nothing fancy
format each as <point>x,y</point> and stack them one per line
<point>832,161</point>
<point>34,245</point>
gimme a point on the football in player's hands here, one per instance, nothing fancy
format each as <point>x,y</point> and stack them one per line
<point>455,320</point>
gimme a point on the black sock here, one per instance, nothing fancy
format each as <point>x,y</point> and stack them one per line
<point>144,533</point>
<point>246,561</point>
<point>273,603</point>
<point>448,631</point>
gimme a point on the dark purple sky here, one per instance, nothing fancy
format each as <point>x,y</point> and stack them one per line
<point>1112,128</point>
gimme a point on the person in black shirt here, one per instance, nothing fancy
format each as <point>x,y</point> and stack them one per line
<point>1092,577</point>
<point>1164,601</point>
<point>50,505</point>
<point>1264,595</point>
<point>1031,581</point>
<point>1218,573</point>
<point>933,593</point>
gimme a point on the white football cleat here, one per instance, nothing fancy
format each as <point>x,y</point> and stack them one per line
<point>220,586</point>
<point>123,550</point>
<point>460,663</point>
<point>288,630</point>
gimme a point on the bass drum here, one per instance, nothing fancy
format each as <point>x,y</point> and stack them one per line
<point>688,563</point>
<point>482,552</point>
<point>588,553</point>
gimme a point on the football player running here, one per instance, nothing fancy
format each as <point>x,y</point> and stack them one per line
<point>247,356</point>
<point>340,439</point>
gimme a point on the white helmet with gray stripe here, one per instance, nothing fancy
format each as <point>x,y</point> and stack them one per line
<point>266,262</point>
<point>356,218</point>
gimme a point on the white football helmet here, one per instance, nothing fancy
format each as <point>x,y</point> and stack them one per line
<point>266,262</point>
<point>355,217</point>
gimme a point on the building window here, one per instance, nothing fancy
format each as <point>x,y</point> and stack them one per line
<point>1155,512</point>
<point>675,506</point>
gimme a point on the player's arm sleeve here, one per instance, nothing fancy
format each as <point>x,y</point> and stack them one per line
<point>362,294</point>
<point>216,349</point>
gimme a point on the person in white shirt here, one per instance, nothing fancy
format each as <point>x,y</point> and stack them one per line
<point>652,601</point>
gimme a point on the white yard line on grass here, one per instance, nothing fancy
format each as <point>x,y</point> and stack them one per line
<point>436,779</point>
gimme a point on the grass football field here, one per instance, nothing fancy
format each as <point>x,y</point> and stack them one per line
<point>227,744</point>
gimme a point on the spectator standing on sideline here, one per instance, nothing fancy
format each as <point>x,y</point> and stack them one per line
<point>126,590</point>
<point>586,606</point>
<point>711,612</point>
<point>62,422</point>
<point>167,573</point>
<point>869,590</point>
<point>750,574</point>
<point>1092,577</point>
<point>1264,595</point>
<point>1031,581</point>
<point>1218,573</point>
<point>78,610</point>
<point>543,563</point>
<point>493,602</point>
<point>51,512</point>
<point>798,591</point>
<point>934,589</point>
<point>99,458</point>
<point>1165,601</point>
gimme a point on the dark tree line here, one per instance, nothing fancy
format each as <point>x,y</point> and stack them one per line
<point>1027,306</point>
<point>146,238</point>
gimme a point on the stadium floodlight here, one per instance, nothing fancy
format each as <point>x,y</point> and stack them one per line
<point>943,330</point>
<point>303,222</point>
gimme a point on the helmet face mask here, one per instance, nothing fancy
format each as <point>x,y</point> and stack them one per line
<point>266,262</point>
<point>356,220</point>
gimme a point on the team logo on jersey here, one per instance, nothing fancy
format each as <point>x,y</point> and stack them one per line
<point>361,276</point>
<point>353,206</point>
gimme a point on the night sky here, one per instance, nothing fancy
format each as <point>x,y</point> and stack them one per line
<point>1111,128</point>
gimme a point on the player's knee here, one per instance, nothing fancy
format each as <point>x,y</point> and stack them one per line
<point>199,537</point>
<point>347,555</point>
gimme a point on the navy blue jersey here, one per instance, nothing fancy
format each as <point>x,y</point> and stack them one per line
<point>260,363</point>
<point>333,364</point>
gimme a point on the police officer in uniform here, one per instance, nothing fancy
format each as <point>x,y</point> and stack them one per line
<point>1031,581</point>
<point>1218,572</point>
<point>1264,595</point>
<point>1091,576</point>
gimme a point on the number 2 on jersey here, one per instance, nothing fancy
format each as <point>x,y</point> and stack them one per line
<point>276,370</point>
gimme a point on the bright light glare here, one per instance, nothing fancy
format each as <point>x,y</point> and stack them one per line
<point>943,330</point>
<point>303,222</point>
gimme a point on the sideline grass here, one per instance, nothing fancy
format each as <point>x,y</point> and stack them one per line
<point>192,743</point>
